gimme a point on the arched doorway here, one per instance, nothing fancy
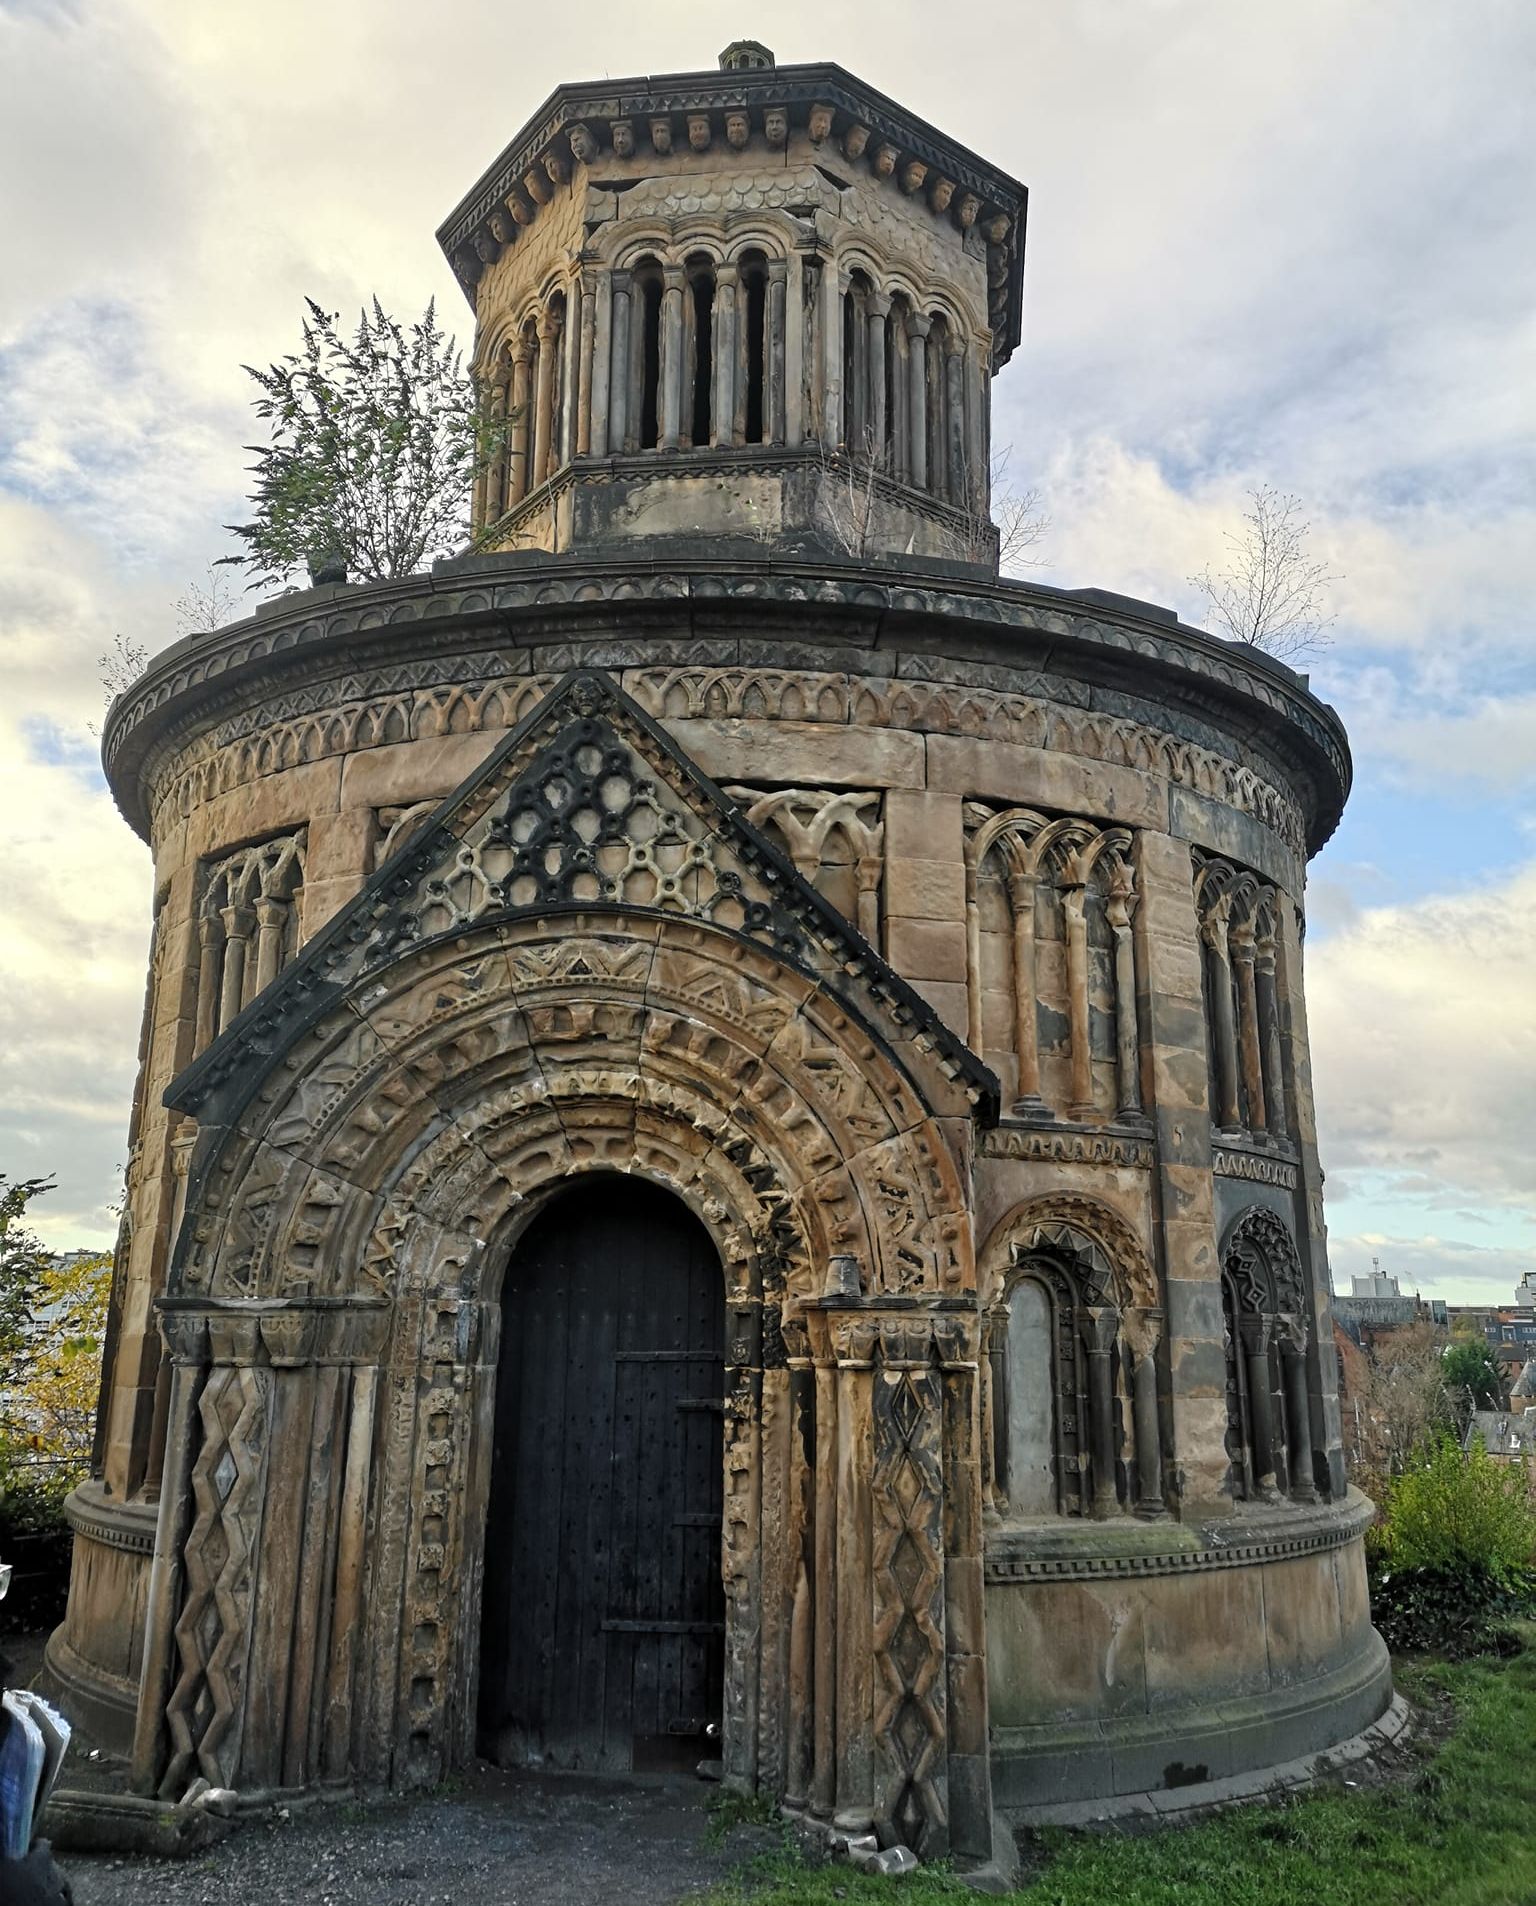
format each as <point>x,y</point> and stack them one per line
<point>603,1628</point>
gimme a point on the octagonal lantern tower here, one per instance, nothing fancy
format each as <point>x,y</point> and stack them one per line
<point>762,302</point>
<point>725,1134</point>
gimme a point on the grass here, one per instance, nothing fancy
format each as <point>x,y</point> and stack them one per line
<point>1461,1832</point>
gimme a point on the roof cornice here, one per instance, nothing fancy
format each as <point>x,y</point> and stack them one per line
<point>983,195</point>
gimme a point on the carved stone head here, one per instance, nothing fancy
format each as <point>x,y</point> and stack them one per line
<point>661,134</point>
<point>821,124</point>
<point>698,131</point>
<point>622,133</point>
<point>776,125</point>
<point>737,129</point>
<point>583,145</point>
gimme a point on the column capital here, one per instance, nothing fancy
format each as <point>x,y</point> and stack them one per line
<point>918,326</point>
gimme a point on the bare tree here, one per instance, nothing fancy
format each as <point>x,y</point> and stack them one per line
<point>121,666</point>
<point>1401,1401</point>
<point>1022,526</point>
<point>1271,593</point>
<point>849,498</point>
<point>206,604</point>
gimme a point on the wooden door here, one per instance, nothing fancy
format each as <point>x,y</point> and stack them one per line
<point>603,1636</point>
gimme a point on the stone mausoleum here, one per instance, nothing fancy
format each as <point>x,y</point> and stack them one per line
<point>724,1157</point>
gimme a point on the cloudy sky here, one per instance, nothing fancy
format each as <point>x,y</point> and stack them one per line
<point>1287,243</point>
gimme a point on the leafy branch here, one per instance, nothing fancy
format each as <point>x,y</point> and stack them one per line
<point>376,442</point>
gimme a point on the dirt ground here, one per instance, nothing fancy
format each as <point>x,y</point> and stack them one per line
<point>495,1839</point>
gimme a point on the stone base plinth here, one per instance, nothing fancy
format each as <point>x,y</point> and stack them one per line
<point>1127,1658</point>
<point>96,1653</point>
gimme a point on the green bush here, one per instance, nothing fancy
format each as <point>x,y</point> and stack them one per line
<point>1452,1511</point>
<point>36,1541</point>
<point>1454,1557</point>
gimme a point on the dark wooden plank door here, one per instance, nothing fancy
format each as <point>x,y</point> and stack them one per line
<point>603,1631</point>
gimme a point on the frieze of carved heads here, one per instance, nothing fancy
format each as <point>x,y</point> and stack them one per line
<point>681,127</point>
<point>411,702</point>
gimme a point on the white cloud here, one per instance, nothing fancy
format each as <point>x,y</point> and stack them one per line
<point>1423,1027</point>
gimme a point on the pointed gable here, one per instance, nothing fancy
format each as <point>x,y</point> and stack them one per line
<point>586,805</point>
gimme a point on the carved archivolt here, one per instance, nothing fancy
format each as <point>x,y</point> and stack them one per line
<point>564,1051</point>
<point>1106,1243</point>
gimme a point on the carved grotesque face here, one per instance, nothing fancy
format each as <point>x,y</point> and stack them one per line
<point>821,123</point>
<point>583,145</point>
<point>884,161</point>
<point>661,134</point>
<point>736,129</point>
<point>776,125</point>
<point>698,131</point>
<point>623,137</point>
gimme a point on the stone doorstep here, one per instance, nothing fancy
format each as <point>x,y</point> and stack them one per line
<point>863,1851</point>
<point>1171,1806</point>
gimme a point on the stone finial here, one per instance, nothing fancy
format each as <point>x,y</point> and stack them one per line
<point>661,134</point>
<point>745,56</point>
<point>776,125</point>
<point>738,128</point>
<point>698,131</point>
<point>820,124</point>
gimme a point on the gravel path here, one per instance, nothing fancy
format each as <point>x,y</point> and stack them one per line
<point>500,1839</point>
